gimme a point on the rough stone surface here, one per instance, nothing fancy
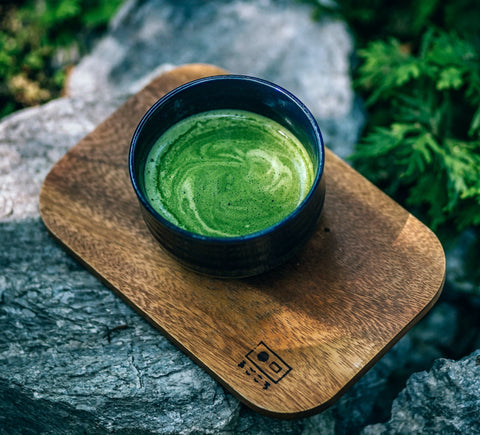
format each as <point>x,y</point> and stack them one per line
<point>444,400</point>
<point>75,359</point>
<point>275,40</point>
<point>73,355</point>
<point>32,140</point>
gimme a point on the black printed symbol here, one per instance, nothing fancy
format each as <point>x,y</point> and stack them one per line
<point>268,363</point>
<point>275,367</point>
<point>262,356</point>
<point>250,371</point>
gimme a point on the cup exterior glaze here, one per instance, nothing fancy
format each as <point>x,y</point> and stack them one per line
<point>255,253</point>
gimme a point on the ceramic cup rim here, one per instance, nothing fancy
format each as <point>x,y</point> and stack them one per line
<point>319,168</point>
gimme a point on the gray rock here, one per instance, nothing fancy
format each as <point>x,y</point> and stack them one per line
<point>74,356</point>
<point>444,400</point>
<point>275,40</point>
<point>32,140</point>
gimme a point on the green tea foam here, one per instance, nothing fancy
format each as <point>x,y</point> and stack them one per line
<point>227,173</point>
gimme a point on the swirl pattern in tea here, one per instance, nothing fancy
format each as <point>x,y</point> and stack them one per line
<point>227,173</point>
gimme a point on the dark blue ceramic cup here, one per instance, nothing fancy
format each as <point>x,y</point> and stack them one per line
<point>255,253</point>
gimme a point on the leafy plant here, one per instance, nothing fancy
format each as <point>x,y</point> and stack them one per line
<point>418,71</point>
<point>39,40</point>
<point>424,144</point>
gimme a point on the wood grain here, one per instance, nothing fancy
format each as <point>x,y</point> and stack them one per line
<point>287,343</point>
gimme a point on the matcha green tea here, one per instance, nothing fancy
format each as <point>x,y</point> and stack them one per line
<point>227,173</point>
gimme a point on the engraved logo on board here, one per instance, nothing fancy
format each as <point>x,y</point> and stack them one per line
<point>264,366</point>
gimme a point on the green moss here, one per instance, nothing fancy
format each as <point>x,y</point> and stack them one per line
<point>32,35</point>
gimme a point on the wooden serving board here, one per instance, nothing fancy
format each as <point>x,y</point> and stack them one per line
<point>287,343</point>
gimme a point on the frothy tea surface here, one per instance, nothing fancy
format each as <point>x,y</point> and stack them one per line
<point>227,173</point>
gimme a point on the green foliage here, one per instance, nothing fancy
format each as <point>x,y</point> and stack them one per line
<point>424,146</point>
<point>32,35</point>
<point>419,73</point>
